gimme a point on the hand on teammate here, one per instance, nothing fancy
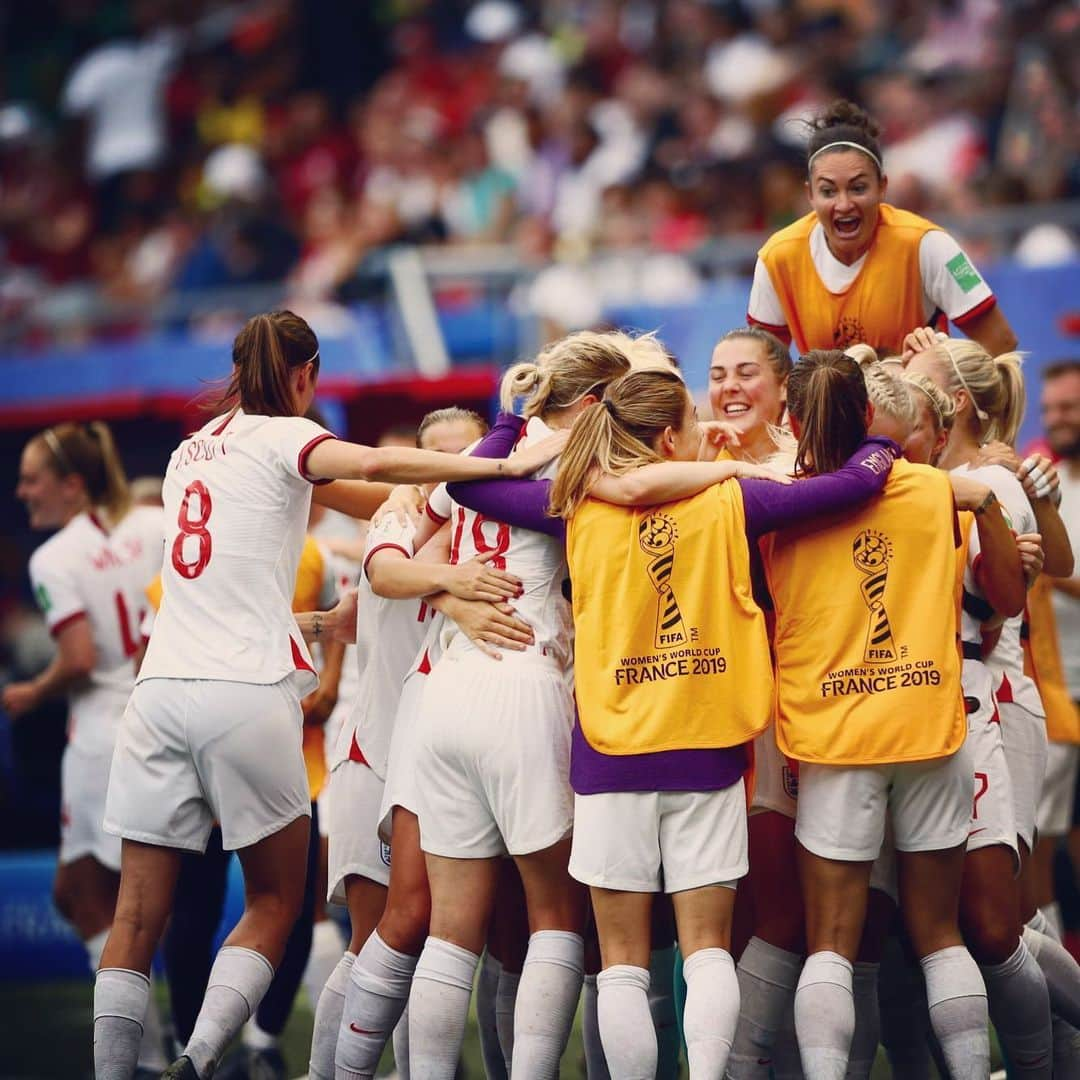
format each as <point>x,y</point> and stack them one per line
<point>525,462</point>
<point>339,623</point>
<point>1031,555</point>
<point>716,435</point>
<point>488,626</point>
<point>476,580</point>
<point>20,698</point>
<point>406,500</point>
<point>919,340</point>
<point>1036,472</point>
<point>748,470</point>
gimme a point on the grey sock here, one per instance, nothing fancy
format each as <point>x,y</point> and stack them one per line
<point>768,976</point>
<point>956,996</point>
<point>238,980</point>
<point>1020,1010</point>
<point>825,1015</point>
<point>1062,974</point>
<point>120,1001</point>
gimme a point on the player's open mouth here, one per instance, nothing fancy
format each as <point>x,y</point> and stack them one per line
<point>736,408</point>
<point>847,226</point>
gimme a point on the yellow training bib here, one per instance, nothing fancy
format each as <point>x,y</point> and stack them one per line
<point>868,670</point>
<point>670,648</point>
<point>882,304</point>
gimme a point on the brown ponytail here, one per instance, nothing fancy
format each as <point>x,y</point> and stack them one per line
<point>827,396</point>
<point>264,352</point>
<point>845,125</point>
<point>89,451</point>
<point>617,434</point>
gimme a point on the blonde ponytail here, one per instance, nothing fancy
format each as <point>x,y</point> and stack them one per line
<point>116,495</point>
<point>995,385</point>
<point>616,434</point>
<point>519,381</point>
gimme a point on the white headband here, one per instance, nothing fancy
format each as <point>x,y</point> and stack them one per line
<point>854,146</point>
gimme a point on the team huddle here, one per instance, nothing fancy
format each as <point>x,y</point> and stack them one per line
<point>761,686</point>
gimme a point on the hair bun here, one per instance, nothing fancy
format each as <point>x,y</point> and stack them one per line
<point>843,113</point>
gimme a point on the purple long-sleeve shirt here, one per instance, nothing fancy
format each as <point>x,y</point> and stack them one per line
<point>767,506</point>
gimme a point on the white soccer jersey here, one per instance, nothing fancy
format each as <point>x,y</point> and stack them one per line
<point>538,559</point>
<point>86,571</point>
<point>236,498</point>
<point>1007,660</point>
<point>346,575</point>
<point>389,635</point>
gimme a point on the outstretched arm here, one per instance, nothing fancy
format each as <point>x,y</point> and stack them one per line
<point>862,476</point>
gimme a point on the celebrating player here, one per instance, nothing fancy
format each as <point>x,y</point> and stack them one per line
<point>88,580</point>
<point>221,684</point>
<point>857,269</point>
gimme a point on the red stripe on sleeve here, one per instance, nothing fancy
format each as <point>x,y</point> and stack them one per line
<point>782,332</point>
<point>382,547</point>
<point>976,311</point>
<point>437,518</point>
<point>66,621</point>
<point>301,459</point>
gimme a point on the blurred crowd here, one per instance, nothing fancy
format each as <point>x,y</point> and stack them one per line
<point>152,147</point>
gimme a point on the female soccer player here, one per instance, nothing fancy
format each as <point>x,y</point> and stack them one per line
<point>993,587</point>
<point>565,375</point>
<point>845,699</point>
<point>660,805</point>
<point>989,396</point>
<point>222,681</point>
<point>856,268</point>
<point>88,580</point>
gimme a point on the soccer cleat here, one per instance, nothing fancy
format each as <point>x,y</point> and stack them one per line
<point>181,1069</point>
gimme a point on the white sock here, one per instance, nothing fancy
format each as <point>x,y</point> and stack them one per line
<point>662,1008</point>
<point>1055,925</point>
<point>505,1003</point>
<point>487,988</point>
<point>325,955</point>
<point>595,1062</point>
<point>1062,974</point>
<point>626,1030</point>
<point>956,996</point>
<point>401,1046</point>
<point>546,1002</point>
<point>238,980</point>
<point>1020,1010</point>
<point>905,1021</point>
<point>120,1000</point>
<point>825,1015</point>
<point>254,1038</point>
<point>767,980</point>
<point>324,1034</point>
<point>864,1042</point>
<point>439,1008</point>
<point>786,1063</point>
<point>712,1011</point>
<point>375,998</point>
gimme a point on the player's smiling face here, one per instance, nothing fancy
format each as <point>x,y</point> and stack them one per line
<point>51,500</point>
<point>743,388</point>
<point>845,192</point>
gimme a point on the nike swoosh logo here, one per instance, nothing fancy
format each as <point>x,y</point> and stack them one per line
<point>764,1061</point>
<point>362,1031</point>
<point>974,831</point>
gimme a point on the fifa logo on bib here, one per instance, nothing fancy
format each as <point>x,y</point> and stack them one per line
<point>871,552</point>
<point>657,535</point>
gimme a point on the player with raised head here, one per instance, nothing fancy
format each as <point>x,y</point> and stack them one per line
<point>88,580</point>
<point>213,726</point>
<point>845,698</point>
<point>858,269</point>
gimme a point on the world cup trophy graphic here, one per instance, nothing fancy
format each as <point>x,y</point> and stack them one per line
<point>657,535</point>
<point>871,552</point>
